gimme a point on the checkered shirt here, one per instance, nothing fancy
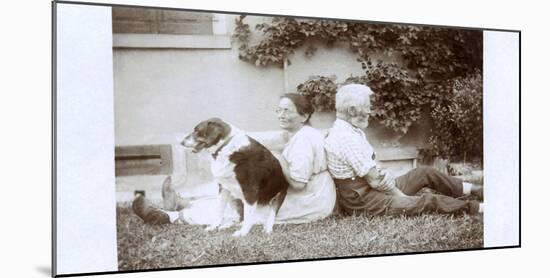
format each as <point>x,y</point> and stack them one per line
<point>349,154</point>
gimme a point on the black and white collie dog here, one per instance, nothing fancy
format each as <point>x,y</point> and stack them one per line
<point>244,169</point>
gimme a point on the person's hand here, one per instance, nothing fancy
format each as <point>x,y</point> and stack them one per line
<point>387,182</point>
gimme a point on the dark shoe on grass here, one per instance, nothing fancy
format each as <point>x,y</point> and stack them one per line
<point>475,207</point>
<point>477,190</point>
<point>149,213</point>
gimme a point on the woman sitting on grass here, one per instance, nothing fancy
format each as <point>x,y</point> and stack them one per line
<point>312,194</point>
<point>310,197</point>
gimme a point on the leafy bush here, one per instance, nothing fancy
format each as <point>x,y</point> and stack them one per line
<point>458,121</point>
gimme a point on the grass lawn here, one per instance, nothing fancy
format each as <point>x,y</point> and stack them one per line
<point>142,246</point>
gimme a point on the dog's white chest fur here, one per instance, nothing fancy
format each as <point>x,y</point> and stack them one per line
<point>223,169</point>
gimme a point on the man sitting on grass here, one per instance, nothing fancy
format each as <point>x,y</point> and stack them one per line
<point>363,187</point>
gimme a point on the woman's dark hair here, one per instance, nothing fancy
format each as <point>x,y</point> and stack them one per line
<point>303,105</point>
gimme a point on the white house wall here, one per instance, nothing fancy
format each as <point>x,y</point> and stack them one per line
<point>164,91</point>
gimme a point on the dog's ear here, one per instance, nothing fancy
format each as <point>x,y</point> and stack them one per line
<point>201,128</point>
<point>218,128</point>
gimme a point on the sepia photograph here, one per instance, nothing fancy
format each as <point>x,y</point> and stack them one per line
<point>244,139</point>
<point>235,138</point>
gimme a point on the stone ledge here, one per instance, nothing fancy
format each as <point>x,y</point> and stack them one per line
<point>171,41</point>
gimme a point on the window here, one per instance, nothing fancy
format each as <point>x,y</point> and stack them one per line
<point>154,21</point>
<point>155,28</point>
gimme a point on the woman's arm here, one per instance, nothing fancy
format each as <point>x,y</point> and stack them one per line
<point>286,171</point>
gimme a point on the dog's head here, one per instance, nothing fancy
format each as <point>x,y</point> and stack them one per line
<point>206,134</point>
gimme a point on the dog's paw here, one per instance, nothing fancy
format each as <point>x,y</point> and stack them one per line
<point>225,225</point>
<point>210,228</point>
<point>240,233</point>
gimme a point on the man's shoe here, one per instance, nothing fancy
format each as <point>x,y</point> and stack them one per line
<point>149,213</point>
<point>475,207</point>
<point>477,190</point>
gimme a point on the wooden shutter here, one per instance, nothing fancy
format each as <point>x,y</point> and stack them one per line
<point>155,21</point>
<point>177,22</point>
<point>132,20</point>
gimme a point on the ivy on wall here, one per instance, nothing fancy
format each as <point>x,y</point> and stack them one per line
<point>409,68</point>
<point>320,91</point>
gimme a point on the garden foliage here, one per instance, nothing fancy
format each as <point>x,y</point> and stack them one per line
<point>410,68</point>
